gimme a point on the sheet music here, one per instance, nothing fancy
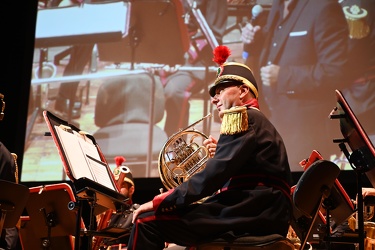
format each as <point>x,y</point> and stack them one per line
<point>83,156</point>
<point>87,146</point>
<point>73,153</point>
<point>101,174</point>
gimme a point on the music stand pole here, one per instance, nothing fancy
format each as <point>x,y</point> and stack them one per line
<point>72,206</point>
<point>212,41</point>
<point>361,227</point>
<point>50,221</point>
<point>357,162</point>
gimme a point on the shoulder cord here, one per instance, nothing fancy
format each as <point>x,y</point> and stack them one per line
<point>15,163</point>
<point>18,225</point>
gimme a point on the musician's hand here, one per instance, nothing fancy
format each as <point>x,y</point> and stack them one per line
<point>368,192</point>
<point>41,5</point>
<point>171,69</point>
<point>163,71</point>
<point>148,206</point>
<point>210,144</point>
<point>269,74</point>
<point>248,33</point>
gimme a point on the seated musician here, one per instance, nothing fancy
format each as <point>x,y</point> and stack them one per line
<point>9,237</point>
<point>250,159</point>
<point>179,86</point>
<point>120,220</point>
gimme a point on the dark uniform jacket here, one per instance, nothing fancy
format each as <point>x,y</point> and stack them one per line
<point>9,236</point>
<point>249,183</point>
<point>7,165</point>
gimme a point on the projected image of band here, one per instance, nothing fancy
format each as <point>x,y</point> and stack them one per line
<point>134,74</point>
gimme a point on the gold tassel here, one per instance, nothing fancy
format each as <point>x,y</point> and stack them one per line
<point>234,121</point>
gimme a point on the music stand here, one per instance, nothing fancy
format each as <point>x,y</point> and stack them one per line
<point>13,199</point>
<point>156,27</point>
<point>361,157</point>
<point>49,213</point>
<point>30,240</point>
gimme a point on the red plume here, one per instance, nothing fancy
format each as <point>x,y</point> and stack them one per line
<point>221,54</point>
<point>119,160</point>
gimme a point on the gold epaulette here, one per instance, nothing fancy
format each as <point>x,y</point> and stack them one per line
<point>234,121</point>
<point>356,19</point>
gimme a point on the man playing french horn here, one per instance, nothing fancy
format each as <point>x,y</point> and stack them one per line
<point>247,179</point>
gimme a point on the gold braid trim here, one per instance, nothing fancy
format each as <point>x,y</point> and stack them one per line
<point>18,225</point>
<point>15,163</point>
<point>234,121</point>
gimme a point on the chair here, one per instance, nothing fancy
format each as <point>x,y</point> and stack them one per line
<point>122,113</point>
<point>266,242</point>
<point>311,190</point>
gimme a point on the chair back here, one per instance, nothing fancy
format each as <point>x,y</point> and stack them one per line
<point>127,100</point>
<point>310,191</point>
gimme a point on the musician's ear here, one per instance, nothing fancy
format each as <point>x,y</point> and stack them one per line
<point>131,191</point>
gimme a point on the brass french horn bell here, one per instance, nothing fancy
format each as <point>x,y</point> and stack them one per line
<point>182,156</point>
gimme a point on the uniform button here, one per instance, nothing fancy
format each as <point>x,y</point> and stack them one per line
<point>280,27</point>
<point>269,63</point>
<point>274,44</point>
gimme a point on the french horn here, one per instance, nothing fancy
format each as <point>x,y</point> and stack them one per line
<point>182,156</point>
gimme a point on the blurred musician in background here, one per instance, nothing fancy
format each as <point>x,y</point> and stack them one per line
<point>124,178</point>
<point>245,187</point>
<point>67,103</point>
<point>180,85</point>
<point>9,239</point>
<point>302,53</point>
<point>360,94</point>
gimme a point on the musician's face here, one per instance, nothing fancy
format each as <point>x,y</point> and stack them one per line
<point>227,97</point>
<point>127,189</point>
